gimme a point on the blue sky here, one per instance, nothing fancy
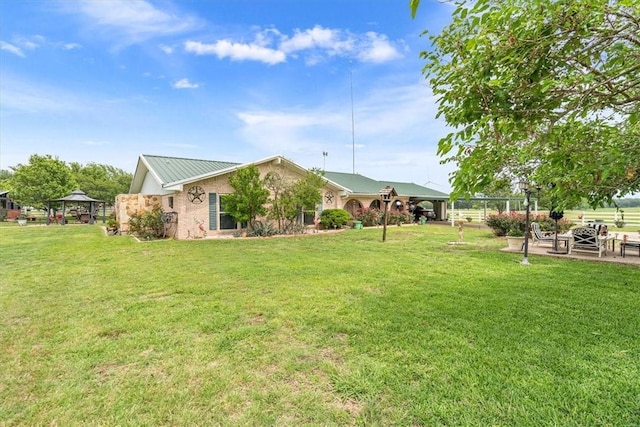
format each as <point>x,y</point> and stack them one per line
<point>236,80</point>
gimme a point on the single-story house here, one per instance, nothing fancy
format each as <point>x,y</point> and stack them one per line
<point>189,190</point>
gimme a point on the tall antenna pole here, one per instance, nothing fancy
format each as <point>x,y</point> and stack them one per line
<point>324,159</point>
<point>353,133</point>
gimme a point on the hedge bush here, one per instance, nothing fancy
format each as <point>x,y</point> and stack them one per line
<point>334,218</point>
<point>502,223</point>
<point>369,216</point>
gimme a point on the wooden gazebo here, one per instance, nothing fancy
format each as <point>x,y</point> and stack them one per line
<point>78,196</point>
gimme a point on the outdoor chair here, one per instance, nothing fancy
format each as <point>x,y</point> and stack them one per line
<point>541,237</point>
<point>587,239</point>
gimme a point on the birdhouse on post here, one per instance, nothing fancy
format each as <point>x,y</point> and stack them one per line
<point>386,194</point>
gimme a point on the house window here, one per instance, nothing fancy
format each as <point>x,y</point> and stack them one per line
<point>170,202</point>
<point>226,221</point>
<point>308,216</point>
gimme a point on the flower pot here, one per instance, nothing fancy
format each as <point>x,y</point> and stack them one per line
<point>515,243</point>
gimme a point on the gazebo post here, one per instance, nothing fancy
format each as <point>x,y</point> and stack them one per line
<point>62,221</point>
<point>91,213</point>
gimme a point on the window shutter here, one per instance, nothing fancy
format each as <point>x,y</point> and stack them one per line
<point>213,211</point>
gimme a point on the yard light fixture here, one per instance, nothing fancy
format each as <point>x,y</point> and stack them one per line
<point>524,187</point>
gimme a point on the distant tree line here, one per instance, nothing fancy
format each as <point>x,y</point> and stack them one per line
<point>46,177</point>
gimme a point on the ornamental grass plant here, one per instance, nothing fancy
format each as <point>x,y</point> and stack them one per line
<point>322,329</point>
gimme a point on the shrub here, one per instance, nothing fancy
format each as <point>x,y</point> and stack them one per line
<point>513,223</point>
<point>334,218</point>
<point>548,224</point>
<point>500,224</point>
<point>369,216</point>
<point>147,225</point>
<point>262,229</point>
<point>395,217</point>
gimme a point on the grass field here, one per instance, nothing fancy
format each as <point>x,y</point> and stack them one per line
<point>333,329</point>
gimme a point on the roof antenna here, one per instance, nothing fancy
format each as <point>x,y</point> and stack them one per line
<point>324,159</point>
<point>353,134</point>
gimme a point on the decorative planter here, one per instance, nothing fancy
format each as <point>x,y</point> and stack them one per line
<point>515,243</point>
<point>22,222</point>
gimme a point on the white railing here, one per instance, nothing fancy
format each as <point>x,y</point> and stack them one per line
<point>631,219</point>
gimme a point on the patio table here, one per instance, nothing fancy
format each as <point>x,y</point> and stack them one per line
<point>629,242</point>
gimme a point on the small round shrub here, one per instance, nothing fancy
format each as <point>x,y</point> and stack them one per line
<point>334,218</point>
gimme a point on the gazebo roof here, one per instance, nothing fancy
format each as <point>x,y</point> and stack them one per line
<point>77,196</point>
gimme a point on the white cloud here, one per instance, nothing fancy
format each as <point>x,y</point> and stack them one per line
<point>71,46</point>
<point>131,21</point>
<point>185,84</point>
<point>395,134</point>
<point>32,97</point>
<point>315,45</point>
<point>92,143</point>
<point>21,43</point>
<point>166,49</point>
<point>236,51</point>
<point>316,37</point>
<point>31,42</point>
<point>377,48</point>
<point>11,49</point>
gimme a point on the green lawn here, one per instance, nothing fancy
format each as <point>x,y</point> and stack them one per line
<point>332,329</point>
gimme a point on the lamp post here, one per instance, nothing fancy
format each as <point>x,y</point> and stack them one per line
<point>524,186</point>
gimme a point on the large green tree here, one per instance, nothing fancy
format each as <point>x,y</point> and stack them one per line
<point>43,178</point>
<point>546,90</point>
<point>249,196</point>
<point>102,182</point>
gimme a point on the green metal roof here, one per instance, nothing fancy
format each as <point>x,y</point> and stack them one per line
<point>415,190</point>
<point>359,184</point>
<point>173,169</point>
<point>355,183</point>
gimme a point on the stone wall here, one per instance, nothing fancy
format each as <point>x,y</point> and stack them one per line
<point>130,204</point>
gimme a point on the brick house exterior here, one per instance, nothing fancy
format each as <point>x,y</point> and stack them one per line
<point>189,190</point>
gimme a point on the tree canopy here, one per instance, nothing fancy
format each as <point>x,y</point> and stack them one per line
<point>46,177</point>
<point>249,196</point>
<point>43,178</point>
<point>102,182</point>
<point>543,90</point>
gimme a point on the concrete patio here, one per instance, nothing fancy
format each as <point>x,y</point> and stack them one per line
<point>631,254</point>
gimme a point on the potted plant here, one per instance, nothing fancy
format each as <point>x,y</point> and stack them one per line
<point>22,219</point>
<point>515,238</point>
<point>112,225</point>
